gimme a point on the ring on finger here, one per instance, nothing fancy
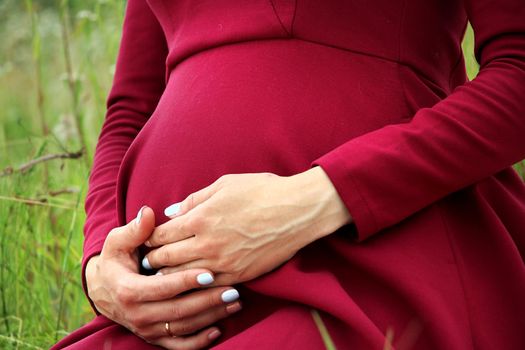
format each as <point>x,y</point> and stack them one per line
<point>168,330</point>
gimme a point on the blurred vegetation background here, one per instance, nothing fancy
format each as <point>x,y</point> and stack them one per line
<point>56,66</point>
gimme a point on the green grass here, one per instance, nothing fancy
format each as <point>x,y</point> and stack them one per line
<point>56,65</point>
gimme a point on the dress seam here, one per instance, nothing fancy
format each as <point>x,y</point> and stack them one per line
<point>212,47</point>
<point>383,58</point>
<point>399,66</point>
<point>279,18</point>
<point>371,55</point>
<point>458,61</point>
<point>293,17</point>
<point>400,29</point>
<point>357,52</point>
<point>458,270</point>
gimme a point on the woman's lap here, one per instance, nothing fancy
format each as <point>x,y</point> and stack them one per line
<point>291,328</point>
<point>102,333</point>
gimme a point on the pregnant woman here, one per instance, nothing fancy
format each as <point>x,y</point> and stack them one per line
<point>322,162</point>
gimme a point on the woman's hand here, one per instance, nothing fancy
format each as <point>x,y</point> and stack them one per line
<point>144,304</point>
<point>245,225</point>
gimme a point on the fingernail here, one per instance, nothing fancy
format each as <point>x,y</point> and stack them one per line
<point>232,308</point>
<point>159,273</point>
<point>230,295</point>
<point>205,278</point>
<point>147,243</point>
<point>145,263</point>
<point>139,214</point>
<point>172,209</point>
<point>214,334</point>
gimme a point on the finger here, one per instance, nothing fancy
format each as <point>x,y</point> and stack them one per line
<point>160,287</point>
<point>192,324</point>
<point>190,305</point>
<point>191,201</point>
<point>199,341</point>
<point>173,230</point>
<point>128,237</point>
<point>195,264</point>
<point>171,254</point>
<point>220,279</point>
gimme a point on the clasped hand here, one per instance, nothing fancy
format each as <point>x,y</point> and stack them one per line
<point>156,308</point>
<point>245,225</point>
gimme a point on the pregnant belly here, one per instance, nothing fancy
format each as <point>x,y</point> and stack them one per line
<point>259,106</point>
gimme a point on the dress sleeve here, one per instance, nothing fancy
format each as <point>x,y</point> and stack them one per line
<point>137,86</point>
<point>388,174</point>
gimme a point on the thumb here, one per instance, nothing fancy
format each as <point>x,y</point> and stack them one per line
<point>128,237</point>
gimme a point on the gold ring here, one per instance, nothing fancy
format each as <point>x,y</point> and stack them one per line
<point>168,330</point>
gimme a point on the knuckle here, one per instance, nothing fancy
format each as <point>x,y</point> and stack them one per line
<point>144,333</point>
<point>207,247</point>
<point>195,223</point>
<point>161,235</point>
<point>189,280</point>
<point>123,294</point>
<point>157,290</point>
<point>176,312</point>
<point>205,210</point>
<point>200,247</point>
<point>139,320</point>
<point>214,299</point>
<point>165,255</point>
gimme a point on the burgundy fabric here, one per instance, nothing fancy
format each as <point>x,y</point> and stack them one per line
<point>376,94</point>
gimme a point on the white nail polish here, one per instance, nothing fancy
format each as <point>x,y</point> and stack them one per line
<point>145,264</point>
<point>214,335</point>
<point>230,295</point>
<point>204,279</point>
<point>139,214</point>
<point>172,209</point>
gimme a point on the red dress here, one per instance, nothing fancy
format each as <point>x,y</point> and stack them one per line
<point>376,94</point>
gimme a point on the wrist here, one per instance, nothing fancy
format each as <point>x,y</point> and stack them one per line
<point>329,210</point>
